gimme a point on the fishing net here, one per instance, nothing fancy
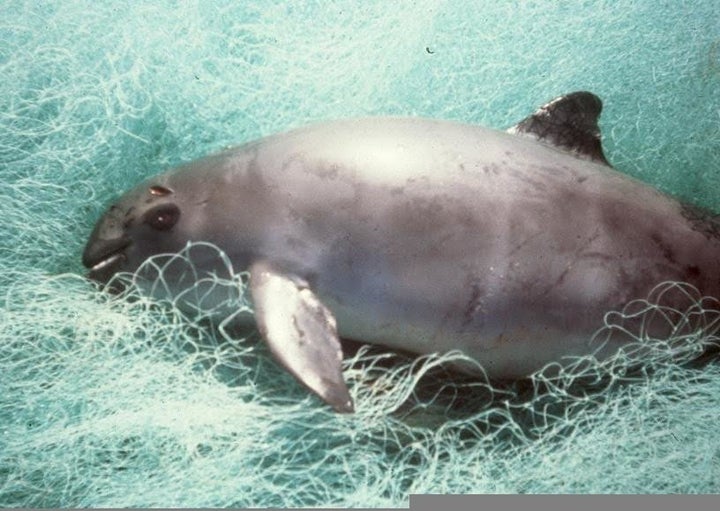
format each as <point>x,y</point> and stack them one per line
<point>123,400</point>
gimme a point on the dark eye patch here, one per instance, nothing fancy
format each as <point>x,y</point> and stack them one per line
<point>159,191</point>
<point>162,217</point>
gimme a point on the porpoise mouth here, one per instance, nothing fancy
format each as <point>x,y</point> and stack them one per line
<point>103,257</point>
<point>108,261</point>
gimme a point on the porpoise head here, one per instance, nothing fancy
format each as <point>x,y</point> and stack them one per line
<point>146,221</point>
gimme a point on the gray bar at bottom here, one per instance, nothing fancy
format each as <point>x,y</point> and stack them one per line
<point>564,502</point>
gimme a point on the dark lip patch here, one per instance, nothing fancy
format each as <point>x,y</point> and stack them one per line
<point>103,270</point>
<point>98,250</point>
<point>105,257</point>
<point>112,259</point>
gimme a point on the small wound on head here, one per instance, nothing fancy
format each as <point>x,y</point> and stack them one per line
<point>159,191</point>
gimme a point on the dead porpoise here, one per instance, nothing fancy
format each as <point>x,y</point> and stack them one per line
<point>422,235</point>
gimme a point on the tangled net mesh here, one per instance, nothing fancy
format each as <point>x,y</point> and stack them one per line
<point>133,393</point>
<point>127,401</point>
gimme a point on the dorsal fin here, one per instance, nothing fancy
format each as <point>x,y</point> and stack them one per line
<point>570,123</point>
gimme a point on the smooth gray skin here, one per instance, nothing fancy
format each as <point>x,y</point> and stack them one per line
<point>427,236</point>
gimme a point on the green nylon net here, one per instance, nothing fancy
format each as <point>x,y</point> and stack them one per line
<point>123,401</point>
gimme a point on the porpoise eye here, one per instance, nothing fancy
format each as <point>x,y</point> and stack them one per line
<point>162,217</point>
